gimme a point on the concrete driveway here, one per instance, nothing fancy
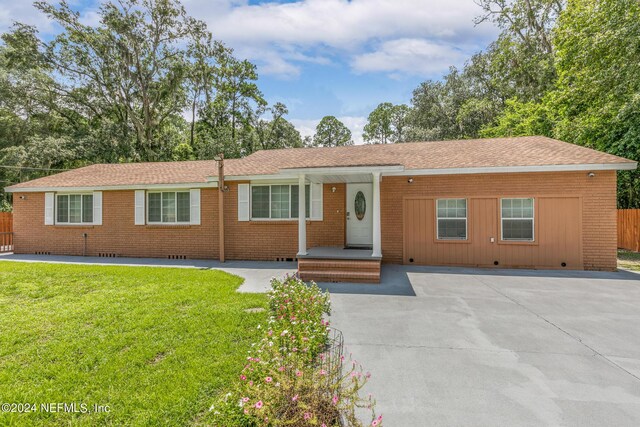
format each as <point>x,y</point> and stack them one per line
<point>464,347</point>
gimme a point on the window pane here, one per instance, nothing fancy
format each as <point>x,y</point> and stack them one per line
<point>260,202</point>
<point>75,208</point>
<point>452,229</point>
<point>517,229</point>
<point>87,208</point>
<point>452,208</point>
<point>295,201</point>
<point>517,208</point>
<point>279,201</point>
<point>155,207</point>
<point>169,207</point>
<point>527,208</point>
<point>184,206</point>
<point>63,209</point>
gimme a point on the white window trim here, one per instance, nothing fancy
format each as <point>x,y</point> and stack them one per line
<point>533,220</point>
<point>146,213</point>
<point>466,221</point>
<point>72,224</point>
<point>252,218</point>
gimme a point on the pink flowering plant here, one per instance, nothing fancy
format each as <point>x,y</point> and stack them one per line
<point>291,378</point>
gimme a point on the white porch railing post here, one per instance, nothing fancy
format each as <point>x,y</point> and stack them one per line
<point>377,235</point>
<point>302,214</point>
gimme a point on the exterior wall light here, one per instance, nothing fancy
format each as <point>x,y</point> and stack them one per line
<point>410,180</point>
<point>333,189</point>
<point>591,174</point>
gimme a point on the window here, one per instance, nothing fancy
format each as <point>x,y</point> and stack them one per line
<point>277,201</point>
<point>74,208</point>
<point>452,219</point>
<point>169,207</point>
<point>517,219</point>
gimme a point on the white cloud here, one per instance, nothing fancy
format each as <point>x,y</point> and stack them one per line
<point>24,12</point>
<point>411,56</point>
<point>344,24</point>
<point>281,37</point>
<point>354,123</point>
<point>283,34</point>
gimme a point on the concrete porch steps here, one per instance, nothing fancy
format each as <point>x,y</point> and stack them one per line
<point>339,270</point>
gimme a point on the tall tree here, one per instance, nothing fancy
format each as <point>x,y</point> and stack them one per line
<point>270,134</point>
<point>130,70</point>
<point>523,55</point>
<point>597,99</point>
<point>518,65</point>
<point>386,124</point>
<point>225,117</point>
<point>331,132</point>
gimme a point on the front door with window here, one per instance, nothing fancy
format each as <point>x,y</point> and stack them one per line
<point>360,215</point>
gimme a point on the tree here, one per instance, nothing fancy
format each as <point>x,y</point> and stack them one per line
<point>595,97</point>
<point>522,119</point>
<point>598,88</point>
<point>523,55</point>
<point>132,70</point>
<point>331,132</point>
<point>270,134</point>
<point>518,65</point>
<point>386,124</point>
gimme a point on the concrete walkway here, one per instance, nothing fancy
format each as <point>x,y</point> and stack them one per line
<point>257,274</point>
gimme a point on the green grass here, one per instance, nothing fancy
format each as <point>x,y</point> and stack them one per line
<point>155,344</point>
<point>628,259</point>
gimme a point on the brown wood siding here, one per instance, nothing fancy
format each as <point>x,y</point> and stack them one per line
<point>629,229</point>
<point>6,232</point>
<point>557,234</point>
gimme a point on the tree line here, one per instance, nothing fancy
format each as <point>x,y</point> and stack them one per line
<point>150,83</point>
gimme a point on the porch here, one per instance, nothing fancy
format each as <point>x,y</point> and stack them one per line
<point>359,260</point>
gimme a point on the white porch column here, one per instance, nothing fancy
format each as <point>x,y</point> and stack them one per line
<point>302,220</point>
<point>377,235</point>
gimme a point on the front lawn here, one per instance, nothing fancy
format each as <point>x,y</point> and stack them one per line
<point>628,259</point>
<point>156,345</point>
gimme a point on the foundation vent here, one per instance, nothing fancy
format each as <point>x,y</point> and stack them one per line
<point>176,256</point>
<point>42,253</point>
<point>107,255</point>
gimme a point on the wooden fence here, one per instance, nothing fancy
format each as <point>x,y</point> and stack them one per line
<point>629,229</point>
<point>6,232</point>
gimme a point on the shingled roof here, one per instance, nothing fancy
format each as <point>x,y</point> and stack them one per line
<point>534,151</point>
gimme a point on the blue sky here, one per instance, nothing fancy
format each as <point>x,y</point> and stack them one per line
<point>328,57</point>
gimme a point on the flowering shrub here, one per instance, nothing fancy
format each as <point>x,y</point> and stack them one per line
<point>288,378</point>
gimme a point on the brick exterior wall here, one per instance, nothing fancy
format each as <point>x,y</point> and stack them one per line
<point>270,240</point>
<point>598,205</point>
<point>251,240</point>
<point>118,235</point>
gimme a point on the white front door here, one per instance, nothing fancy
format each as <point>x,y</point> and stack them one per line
<point>359,214</point>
